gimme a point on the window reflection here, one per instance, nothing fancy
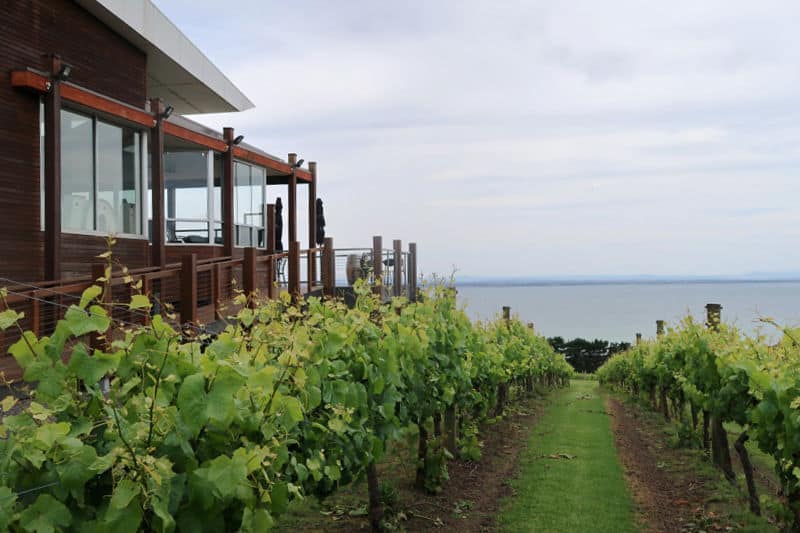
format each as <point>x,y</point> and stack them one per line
<point>101,176</point>
<point>77,172</point>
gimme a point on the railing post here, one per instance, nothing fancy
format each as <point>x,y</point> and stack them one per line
<point>294,270</point>
<point>659,328</point>
<point>189,288</point>
<point>377,263</point>
<point>397,278</point>
<point>412,271</point>
<point>310,269</point>
<point>249,275</point>
<point>328,268</point>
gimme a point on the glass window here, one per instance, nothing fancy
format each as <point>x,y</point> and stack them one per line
<point>101,176</point>
<point>77,172</point>
<point>186,176</point>
<point>249,204</point>
<point>118,194</point>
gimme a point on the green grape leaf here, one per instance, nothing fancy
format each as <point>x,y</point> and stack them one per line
<point>45,515</point>
<point>7,501</point>
<point>81,322</point>
<point>8,318</point>
<point>91,369</point>
<point>49,434</point>
<point>75,471</point>
<point>192,403</point>
<point>140,301</point>
<point>89,295</point>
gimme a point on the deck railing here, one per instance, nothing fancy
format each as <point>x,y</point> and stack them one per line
<point>202,291</point>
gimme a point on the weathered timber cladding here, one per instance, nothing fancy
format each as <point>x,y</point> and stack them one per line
<point>30,31</point>
<point>78,252</point>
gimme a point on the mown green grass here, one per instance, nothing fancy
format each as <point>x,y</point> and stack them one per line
<point>584,493</point>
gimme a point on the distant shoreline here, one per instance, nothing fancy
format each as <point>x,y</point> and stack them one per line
<point>563,283</point>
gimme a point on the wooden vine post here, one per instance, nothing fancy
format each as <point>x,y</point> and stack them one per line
<point>719,437</point>
<point>720,451</point>
<point>502,388</point>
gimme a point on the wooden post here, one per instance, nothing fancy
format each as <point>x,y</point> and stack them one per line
<point>249,275</point>
<point>294,270</point>
<point>328,268</point>
<point>638,339</point>
<point>412,271</point>
<point>659,328</point>
<point>292,200</point>
<point>507,313</point>
<point>377,263</point>
<point>228,233</point>
<point>52,175</point>
<point>720,451</point>
<point>189,288</point>
<point>312,224</point>
<point>397,282</point>
<point>713,316</point>
<point>530,326</point>
<point>270,229</point>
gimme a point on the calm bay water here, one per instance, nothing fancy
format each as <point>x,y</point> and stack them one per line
<point>617,311</point>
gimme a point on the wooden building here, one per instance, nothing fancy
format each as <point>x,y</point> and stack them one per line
<point>94,143</point>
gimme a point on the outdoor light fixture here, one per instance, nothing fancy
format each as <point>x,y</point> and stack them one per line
<point>167,112</point>
<point>64,73</point>
<point>299,163</point>
<point>238,139</point>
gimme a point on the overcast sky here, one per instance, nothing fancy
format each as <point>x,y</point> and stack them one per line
<point>531,138</point>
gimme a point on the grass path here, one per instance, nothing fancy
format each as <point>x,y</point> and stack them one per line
<point>570,477</point>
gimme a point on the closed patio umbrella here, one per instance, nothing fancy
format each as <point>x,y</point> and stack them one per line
<point>320,224</point>
<point>278,225</point>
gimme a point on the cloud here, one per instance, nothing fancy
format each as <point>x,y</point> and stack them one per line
<point>523,137</point>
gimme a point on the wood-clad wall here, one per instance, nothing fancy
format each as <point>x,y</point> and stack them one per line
<point>30,31</point>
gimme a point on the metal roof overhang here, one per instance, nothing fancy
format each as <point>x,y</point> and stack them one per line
<point>177,71</point>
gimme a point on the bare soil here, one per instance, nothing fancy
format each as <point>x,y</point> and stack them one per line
<point>675,490</point>
<point>471,498</point>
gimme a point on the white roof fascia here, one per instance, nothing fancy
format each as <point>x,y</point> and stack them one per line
<point>177,71</point>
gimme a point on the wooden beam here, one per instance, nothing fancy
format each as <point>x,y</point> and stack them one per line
<point>292,201</point>
<point>26,79</point>
<point>79,95</point>
<point>94,101</point>
<point>52,177</point>
<point>195,137</point>
<point>227,194</point>
<point>158,257</point>
<point>258,159</point>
